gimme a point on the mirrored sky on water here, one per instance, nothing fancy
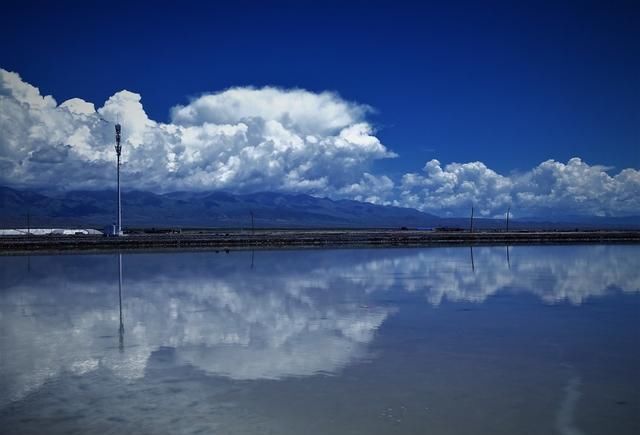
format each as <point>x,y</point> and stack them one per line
<point>540,339</point>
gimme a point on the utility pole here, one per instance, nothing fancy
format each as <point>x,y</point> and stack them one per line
<point>28,221</point>
<point>118,152</point>
<point>471,223</point>
<point>253,230</point>
<point>508,210</point>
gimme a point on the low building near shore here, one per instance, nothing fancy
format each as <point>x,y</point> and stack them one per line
<point>49,232</point>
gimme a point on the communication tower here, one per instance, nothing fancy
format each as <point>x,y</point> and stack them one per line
<point>118,152</point>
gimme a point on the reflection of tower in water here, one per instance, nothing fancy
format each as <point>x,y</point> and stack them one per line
<point>121,329</point>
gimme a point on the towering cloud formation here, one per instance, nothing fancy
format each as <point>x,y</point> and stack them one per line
<point>239,139</point>
<point>247,139</point>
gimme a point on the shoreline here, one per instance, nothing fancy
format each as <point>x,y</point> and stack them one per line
<point>283,239</point>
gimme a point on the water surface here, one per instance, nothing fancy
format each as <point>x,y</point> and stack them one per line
<point>526,340</point>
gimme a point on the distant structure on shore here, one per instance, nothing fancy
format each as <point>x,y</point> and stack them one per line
<point>49,232</point>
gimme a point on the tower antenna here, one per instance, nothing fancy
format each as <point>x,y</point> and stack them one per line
<point>118,152</point>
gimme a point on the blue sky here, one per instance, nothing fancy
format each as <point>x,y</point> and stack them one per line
<point>508,84</point>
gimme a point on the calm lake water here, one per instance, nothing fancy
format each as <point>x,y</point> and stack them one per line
<point>529,340</point>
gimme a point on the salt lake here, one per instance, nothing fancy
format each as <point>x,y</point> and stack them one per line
<point>459,340</point>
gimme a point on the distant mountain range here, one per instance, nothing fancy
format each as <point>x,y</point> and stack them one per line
<point>220,209</point>
<point>199,209</point>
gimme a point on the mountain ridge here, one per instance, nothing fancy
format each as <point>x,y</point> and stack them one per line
<point>97,208</point>
<point>200,209</point>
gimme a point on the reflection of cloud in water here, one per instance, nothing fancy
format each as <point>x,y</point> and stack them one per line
<point>295,314</point>
<point>218,317</point>
<point>554,274</point>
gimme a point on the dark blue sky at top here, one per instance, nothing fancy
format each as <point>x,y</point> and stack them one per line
<point>507,83</point>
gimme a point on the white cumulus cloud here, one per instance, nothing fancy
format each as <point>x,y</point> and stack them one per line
<point>271,139</point>
<point>551,188</point>
<point>239,139</point>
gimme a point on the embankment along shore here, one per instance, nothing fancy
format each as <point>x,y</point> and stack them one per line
<point>271,239</point>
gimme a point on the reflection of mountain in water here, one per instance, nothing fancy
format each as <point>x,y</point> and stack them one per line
<point>296,313</point>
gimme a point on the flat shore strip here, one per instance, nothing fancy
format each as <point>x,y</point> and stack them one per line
<point>270,239</point>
